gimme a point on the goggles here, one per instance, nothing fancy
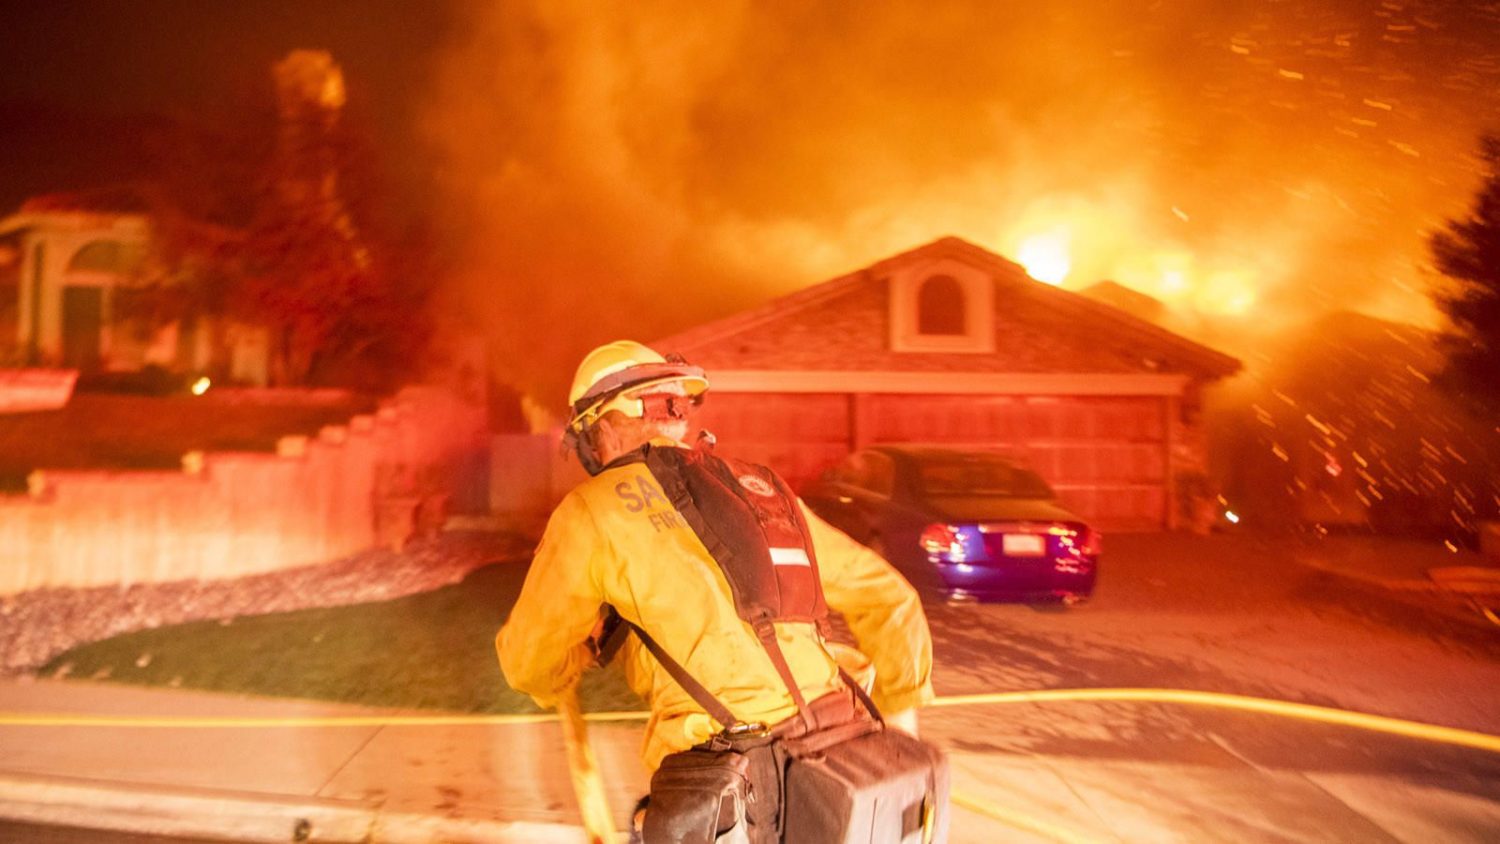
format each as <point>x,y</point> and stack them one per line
<point>634,385</point>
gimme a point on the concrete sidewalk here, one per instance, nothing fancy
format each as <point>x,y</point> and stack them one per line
<point>1390,561</point>
<point>1426,576</point>
<point>509,783</point>
<point>480,783</point>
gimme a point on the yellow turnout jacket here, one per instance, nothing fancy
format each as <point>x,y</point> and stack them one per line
<point>616,539</point>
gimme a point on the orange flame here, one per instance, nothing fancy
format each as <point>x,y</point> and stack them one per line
<point>1045,256</point>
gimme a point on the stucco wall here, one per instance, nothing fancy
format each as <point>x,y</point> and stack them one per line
<point>228,514</point>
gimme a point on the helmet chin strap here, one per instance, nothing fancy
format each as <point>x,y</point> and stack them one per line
<point>585,445</point>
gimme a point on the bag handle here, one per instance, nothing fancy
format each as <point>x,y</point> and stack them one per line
<point>864,696</point>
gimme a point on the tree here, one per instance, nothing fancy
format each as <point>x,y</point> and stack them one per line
<point>1467,252</point>
<point>344,300</point>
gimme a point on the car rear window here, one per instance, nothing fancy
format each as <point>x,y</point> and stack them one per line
<point>981,477</point>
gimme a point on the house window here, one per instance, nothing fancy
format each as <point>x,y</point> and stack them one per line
<point>109,256</point>
<point>940,307</point>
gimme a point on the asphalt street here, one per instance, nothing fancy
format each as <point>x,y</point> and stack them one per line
<point>1237,615</point>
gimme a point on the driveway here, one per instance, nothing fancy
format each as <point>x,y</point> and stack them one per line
<point>1239,615</point>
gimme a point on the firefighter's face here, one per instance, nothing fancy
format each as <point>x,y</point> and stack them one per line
<point>677,429</point>
<point>619,434</point>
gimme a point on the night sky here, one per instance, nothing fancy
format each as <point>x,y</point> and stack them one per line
<point>71,72</point>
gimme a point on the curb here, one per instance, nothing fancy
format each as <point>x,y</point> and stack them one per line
<point>248,817</point>
<point>1414,606</point>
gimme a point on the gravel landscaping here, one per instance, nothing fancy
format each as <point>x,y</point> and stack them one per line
<point>38,625</point>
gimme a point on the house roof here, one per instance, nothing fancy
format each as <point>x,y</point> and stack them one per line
<point>120,207</point>
<point>844,324</point>
<point>1123,298</point>
<point>114,199</point>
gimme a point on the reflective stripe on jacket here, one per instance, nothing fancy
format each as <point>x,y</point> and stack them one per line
<point>615,539</point>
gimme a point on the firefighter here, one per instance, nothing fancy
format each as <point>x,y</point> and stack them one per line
<point>617,543</point>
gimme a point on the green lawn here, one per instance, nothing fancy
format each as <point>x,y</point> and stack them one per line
<point>433,650</point>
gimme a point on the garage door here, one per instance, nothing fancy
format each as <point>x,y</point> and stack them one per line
<point>1106,456</point>
<point>797,434</point>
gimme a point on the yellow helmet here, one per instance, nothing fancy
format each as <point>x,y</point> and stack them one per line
<point>615,375</point>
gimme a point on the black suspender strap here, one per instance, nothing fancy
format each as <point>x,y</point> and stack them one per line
<point>766,632</point>
<point>718,711</point>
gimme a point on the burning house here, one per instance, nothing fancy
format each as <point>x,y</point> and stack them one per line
<point>952,343</point>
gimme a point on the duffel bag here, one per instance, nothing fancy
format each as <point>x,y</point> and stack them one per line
<point>879,787</point>
<point>698,797</point>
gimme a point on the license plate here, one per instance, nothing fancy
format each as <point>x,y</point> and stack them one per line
<point>1024,544</point>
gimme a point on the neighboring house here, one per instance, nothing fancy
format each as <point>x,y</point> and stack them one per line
<point>10,293</point>
<point>69,266</point>
<point>1132,302</point>
<point>72,284</point>
<point>952,343</point>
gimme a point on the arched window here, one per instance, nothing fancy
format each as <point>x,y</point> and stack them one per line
<point>108,256</point>
<point>940,306</point>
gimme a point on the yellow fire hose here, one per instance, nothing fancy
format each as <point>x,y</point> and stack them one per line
<point>588,784</point>
<point>583,767</point>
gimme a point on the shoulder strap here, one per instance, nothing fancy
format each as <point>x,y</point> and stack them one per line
<point>716,708</point>
<point>765,631</point>
<point>713,706</point>
<point>704,698</point>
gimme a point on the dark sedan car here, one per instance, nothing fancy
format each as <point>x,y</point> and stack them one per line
<point>961,524</point>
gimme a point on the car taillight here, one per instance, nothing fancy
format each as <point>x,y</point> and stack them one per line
<point>953,543</point>
<point>939,539</point>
